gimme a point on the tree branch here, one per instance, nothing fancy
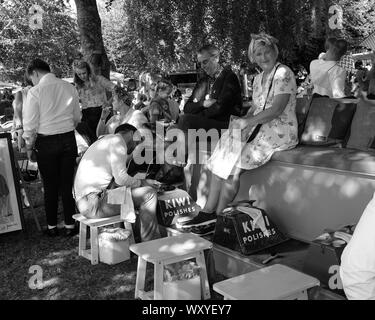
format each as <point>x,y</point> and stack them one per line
<point>7,26</point>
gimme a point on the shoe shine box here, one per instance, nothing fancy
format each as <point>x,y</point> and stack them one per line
<point>323,259</point>
<point>113,251</point>
<point>173,205</point>
<point>246,230</point>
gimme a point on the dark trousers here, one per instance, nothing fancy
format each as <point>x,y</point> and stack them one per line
<point>56,157</point>
<point>193,121</point>
<point>91,116</point>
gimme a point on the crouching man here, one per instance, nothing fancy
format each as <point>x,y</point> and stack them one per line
<point>358,259</point>
<point>104,167</point>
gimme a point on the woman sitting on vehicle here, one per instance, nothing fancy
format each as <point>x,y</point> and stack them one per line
<point>270,127</point>
<point>123,114</point>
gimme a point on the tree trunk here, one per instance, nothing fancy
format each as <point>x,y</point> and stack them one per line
<point>90,30</point>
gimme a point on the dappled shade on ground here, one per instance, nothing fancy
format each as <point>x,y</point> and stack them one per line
<point>65,275</point>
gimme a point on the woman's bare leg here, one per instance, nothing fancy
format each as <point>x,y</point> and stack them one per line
<point>229,191</point>
<point>214,194</point>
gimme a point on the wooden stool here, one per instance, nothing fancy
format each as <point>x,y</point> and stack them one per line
<point>166,251</point>
<point>93,253</point>
<point>276,282</point>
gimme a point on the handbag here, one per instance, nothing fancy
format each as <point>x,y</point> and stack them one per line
<point>29,171</point>
<point>123,197</point>
<point>247,229</point>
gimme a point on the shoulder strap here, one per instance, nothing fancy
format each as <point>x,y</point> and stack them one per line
<point>332,67</point>
<point>270,87</point>
<point>258,126</point>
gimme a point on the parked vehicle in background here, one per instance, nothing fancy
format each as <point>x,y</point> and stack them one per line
<point>184,80</point>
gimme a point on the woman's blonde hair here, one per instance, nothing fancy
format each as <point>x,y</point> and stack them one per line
<point>261,39</point>
<point>81,64</point>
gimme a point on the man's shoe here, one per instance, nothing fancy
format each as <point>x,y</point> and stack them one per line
<point>52,233</point>
<point>203,230</point>
<point>70,232</point>
<point>183,220</point>
<point>202,219</point>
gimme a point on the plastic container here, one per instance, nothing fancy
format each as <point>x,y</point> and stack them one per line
<point>189,289</point>
<point>113,251</point>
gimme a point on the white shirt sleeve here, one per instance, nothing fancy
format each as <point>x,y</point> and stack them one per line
<point>337,80</point>
<point>358,259</point>
<point>118,157</point>
<point>31,116</point>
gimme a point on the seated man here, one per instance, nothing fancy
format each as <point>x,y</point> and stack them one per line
<point>215,97</point>
<point>103,167</point>
<point>358,259</point>
<point>327,76</point>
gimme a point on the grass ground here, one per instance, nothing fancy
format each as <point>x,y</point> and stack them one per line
<point>66,276</point>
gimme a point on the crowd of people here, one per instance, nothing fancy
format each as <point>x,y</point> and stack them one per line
<point>83,136</point>
<point>59,123</point>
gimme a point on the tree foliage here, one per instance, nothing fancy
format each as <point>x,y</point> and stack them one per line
<point>91,39</point>
<point>165,34</point>
<point>56,43</point>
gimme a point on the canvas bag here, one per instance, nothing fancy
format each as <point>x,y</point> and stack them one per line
<point>123,197</point>
<point>29,170</point>
<point>247,229</point>
<point>173,204</point>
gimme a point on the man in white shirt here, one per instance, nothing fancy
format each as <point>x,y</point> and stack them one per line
<point>327,76</point>
<point>50,116</point>
<point>104,167</point>
<point>358,259</point>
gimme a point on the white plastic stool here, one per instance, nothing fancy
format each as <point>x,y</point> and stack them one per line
<point>277,282</point>
<point>93,253</point>
<point>166,251</point>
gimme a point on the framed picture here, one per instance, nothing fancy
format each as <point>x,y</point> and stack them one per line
<point>11,216</point>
